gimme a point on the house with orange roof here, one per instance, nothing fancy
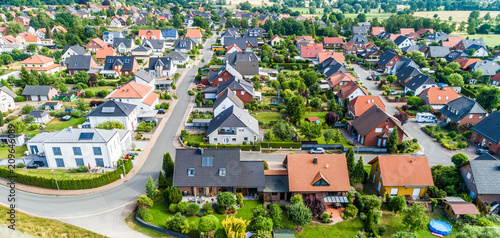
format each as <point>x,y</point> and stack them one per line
<point>41,32</point>
<point>377,30</point>
<point>4,30</point>
<point>393,37</point>
<point>23,20</point>
<point>194,34</point>
<point>275,40</point>
<point>401,175</point>
<point>340,79</point>
<point>437,97</point>
<point>406,31</point>
<point>59,29</point>
<point>150,34</point>
<point>233,48</point>
<point>41,63</point>
<point>310,51</point>
<point>350,91</point>
<point>104,52</point>
<point>338,56</point>
<point>95,44</point>
<point>28,38</point>
<point>308,39</point>
<point>9,39</point>
<point>138,94</point>
<point>360,104</point>
<point>422,31</point>
<point>452,41</point>
<point>333,42</point>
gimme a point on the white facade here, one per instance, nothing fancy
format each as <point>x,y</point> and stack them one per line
<point>407,42</point>
<point>227,103</point>
<point>43,119</point>
<point>419,89</point>
<point>6,102</point>
<point>481,52</point>
<point>232,136</point>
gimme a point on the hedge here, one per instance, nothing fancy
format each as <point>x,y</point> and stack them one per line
<point>241,147</point>
<point>290,65</point>
<point>42,182</point>
<point>467,92</point>
<point>294,145</point>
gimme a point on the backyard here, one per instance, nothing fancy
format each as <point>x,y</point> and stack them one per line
<point>57,124</point>
<point>19,151</point>
<point>449,139</point>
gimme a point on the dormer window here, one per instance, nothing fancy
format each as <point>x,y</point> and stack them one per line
<point>321,182</point>
<point>190,172</point>
<point>222,172</point>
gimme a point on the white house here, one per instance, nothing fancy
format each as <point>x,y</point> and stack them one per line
<point>479,50</point>
<point>112,110</point>
<point>225,101</point>
<point>178,58</point>
<point>13,139</point>
<point>233,126</point>
<point>418,84</point>
<point>40,116</point>
<point>138,94</point>
<point>403,41</point>
<point>162,67</point>
<point>73,50</point>
<point>70,148</point>
<point>7,99</point>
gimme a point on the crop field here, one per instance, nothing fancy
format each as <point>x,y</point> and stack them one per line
<point>457,16</point>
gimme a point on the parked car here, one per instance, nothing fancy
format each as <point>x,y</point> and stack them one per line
<point>426,117</point>
<point>130,156</point>
<point>420,153</point>
<point>393,92</point>
<point>152,120</point>
<point>161,111</point>
<point>200,86</point>
<point>317,151</point>
<point>483,151</point>
<point>369,77</point>
<point>33,166</point>
<point>39,163</point>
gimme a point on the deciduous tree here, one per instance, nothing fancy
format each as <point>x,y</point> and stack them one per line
<point>310,130</point>
<point>416,218</point>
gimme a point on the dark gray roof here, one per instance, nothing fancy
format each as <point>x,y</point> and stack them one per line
<point>421,79</point>
<point>452,56</point>
<point>332,67</point>
<point>236,84</point>
<point>241,56</point>
<point>400,40</point>
<point>207,176</point>
<point>142,74</point>
<point>486,174</point>
<point>387,56</point>
<point>141,48</point>
<point>485,156</point>
<point>79,62</point>
<point>489,127</point>
<point>126,41</point>
<point>154,44</point>
<point>489,67</point>
<point>254,32</point>
<point>359,30</point>
<point>77,49</point>
<point>405,62</point>
<point>174,55</point>
<point>438,51</point>
<point>228,94</point>
<point>186,43</point>
<point>461,107</point>
<point>475,47</point>
<point>35,90</point>
<point>359,39</point>
<point>8,91</point>
<point>276,184</point>
<point>39,114</point>
<point>165,62</point>
<point>212,75</point>
<point>120,109</point>
<point>233,117</point>
<point>231,32</point>
<point>468,42</point>
<point>241,42</point>
<point>252,175</point>
<point>437,36</point>
<point>412,48</point>
<point>127,62</point>
<point>407,72</point>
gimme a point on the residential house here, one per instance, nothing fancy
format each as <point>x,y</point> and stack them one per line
<point>452,41</point>
<point>350,92</point>
<point>120,66</point>
<point>206,172</point>
<point>170,34</point>
<point>388,60</point>
<point>22,19</point>
<point>7,99</point>
<point>376,31</point>
<point>123,45</point>
<point>257,32</point>
<point>310,51</point>
<point>436,51</point>
<point>178,58</point>
<point>95,44</point>
<point>436,37</point>
<point>361,104</point>
<point>486,133</point>
<point>463,111</point>
<point>419,83</point>
<point>454,55</point>
<point>466,62</point>
<point>359,30</point>
<point>41,32</point>
<point>402,42</point>
<point>184,45</point>
<point>437,97</point>
<point>456,207</point>
<point>142,53</point>
<point>405,74</point>
<point>423,31</point>
<point>58,29</point>
<point>28,38</point>
<point>112,110</point>
<point>110,36</point>
<point>138,94</point>
<point>465,43</point>
<point>194,34</point>
<point>477,50</point>
<point>71,147</point>
<point>303,40</point>
<point>13,139</point>
<point>162,67</point>
<point>406,31</point>
<point>224,73</point>
<point>41,117</point>
<point>73,50</point>
<point>40,63</point>
<point>8,39</point>
<point>495,80</point>
<point>115,22</point>
<point>241,88</point>
<point>231,32</point>
<point>340,79</point>
<point>52,105</point>
<point>246,63</point>
<point>481,181</point>
<point>357,44</point>
<point>275,40</point>
<point>330,66</point>
<point>243,43</point>
<point>157,46</point>
<point>226,100</point>
<point>374,126</point>
<point>102,53</point>
<point>489,67</point>
<point>401,175</point>
<point>145,78</point>
<point>233,48</point>
<point>39,92</point>
<point>337,56</point>
<point>150,34</point>
<point>333,42</point>
<point>233,126</point>
<point>79,63</point>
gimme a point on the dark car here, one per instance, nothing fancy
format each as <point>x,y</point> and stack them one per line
<point>483,151</point>
<point>39,163</point>
<point>161,111</point>
<point>33,166</point>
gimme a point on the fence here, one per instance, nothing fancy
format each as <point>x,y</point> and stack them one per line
<point>160,229</point>
<point>371,150</point>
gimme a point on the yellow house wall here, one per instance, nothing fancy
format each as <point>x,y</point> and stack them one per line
<point>449,211</point>
<point>387,189</point>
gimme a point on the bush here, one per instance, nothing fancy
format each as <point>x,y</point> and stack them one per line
<point>207,206</point>
<point>239,199</point>
<point>226,199</point>
<point>89,93</point>
<point>181,207</point>
<point>172,208</point>
<point>220,233</point>
<point>194,233</point>
<point>102,93</point>
<point>220,209</point>
<point>20,165</point>
<point>452,134</point>
<point>142,211</point>
<point>144,201</point>
<point>27,109</point>
<point>415,140</point>
<point>192,209</point>
<point>350,211</point>
<point>191,93</point>
<point>296,199</point>
<point>483,222</point>
<point>382,230</point>
<point>325,218</point>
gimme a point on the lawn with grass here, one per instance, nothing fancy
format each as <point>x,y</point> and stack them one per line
<point>57,124</point>
<point>60,174</point>
<point>31,133</point>
<point>100,88</point>
<point>44,227</point>
<point>19,151</point>
<point>266,117</point>
<point>321,139</point>
<point>320,115</point>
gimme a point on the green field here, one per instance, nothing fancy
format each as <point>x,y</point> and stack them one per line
<point>489,40</point>
<point>4,152</point>
<point>266,117</point>
<point>320,115</point>
<point>97,89</point>
<point>57,124</point>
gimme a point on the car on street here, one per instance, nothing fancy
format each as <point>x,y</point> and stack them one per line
<point>393,92</point>
<point>317,151</point>
<point>483,151</point>
<point>369,77</point>
<point>161,111</point>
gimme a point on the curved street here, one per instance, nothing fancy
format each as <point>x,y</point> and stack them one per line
<point>104,212</point>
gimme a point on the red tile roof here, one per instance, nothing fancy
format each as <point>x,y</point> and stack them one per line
<point>404,170</point>
<point>333,40</point>
<point>424,30</point>
<point>349,89</point>
<point>452,41</point>
<point>377,30</point>
<point>276,36</point>
<point>275,172</point>
<point>37,59</point>
<point>363,103</point>
<point>307,38</point>
<point>464,63</point>
<point>150,33</point>
<point>338,56</point>
<point>234,46</point>
<point>440,95</point>
<point>105,51</point>
<point>100,42</point>
<point>311,50</point>
<point>131,90</point>
<point>337,77</point>
<point>28,37</point>
<point>194,33</point>
<point>151,98</point>
<point>406,31</point>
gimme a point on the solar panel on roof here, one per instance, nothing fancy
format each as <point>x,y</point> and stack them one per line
<point>108,110</point>
<point>86,136</point>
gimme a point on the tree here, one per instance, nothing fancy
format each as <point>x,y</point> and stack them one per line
<point>31,48</point>
<point>18,126</point>
<point>359,173</point>
<point>402,117</point>
<point>329,135</point>
<point>397,204</point>
<point>403,234</point>
<point>350,161</point>
<point>162,181</point>
<point>415,101</point>
<point>392,142</point>
<point>168,164</point>
<point>300,214</point>
<point>283,131</point>
<point>82,105</point>
<point>346,8</point>
<point>27,108</point>
<point>447,178</point>
<point>310,77</point>
<point>144,201</point>
<point>208,223</point>
<point>453,65</point>
<point>477,74</point>
<point>276,215</point>
<point>317,205</point>
<point>459,159</point>
<point>295,108</point>
<point>489,98</point>
<point>110,125</point>
<point>226,199</point>
<point>455,79</point>
<point>469,231</point>
<point>296,199</point>
<point>262,223</point>
<point>315,103</point>
<point>150,188</point>
<point>81,77</point>
<point>15,28</point>
<point>357,7</point>
<point>391,79</point>
<point>368,203</point>
<point>235,227</point>
<point>331,118</point>
<point>416,218</point>
<point>310,130</point>
<point>172,195</point>
<point>27,78</point>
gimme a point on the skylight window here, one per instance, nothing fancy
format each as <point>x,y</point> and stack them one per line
<point>207,161</point>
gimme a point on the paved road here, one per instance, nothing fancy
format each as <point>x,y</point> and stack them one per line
<point>434,152</point>
<point>103,212</point>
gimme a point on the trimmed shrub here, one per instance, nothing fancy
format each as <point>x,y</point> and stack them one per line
<point>172,208</point>
<point>181,207</point>
<point>192,209</point>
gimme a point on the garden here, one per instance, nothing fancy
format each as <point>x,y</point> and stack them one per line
<point>451,136</point>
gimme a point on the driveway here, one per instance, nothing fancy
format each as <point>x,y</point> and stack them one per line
<point>433,150</point>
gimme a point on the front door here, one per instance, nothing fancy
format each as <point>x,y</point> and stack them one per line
<point>379,185</point>
<point>225,140</point>
<point>416,193</point>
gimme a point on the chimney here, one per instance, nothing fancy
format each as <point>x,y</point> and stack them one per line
<point>70,129</point>
<point>315,160</point>
<point>413,161</point>
<point>201,151</point>
<point>442,88</point>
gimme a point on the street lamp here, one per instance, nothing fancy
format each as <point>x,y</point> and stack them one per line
<point>123,167</point>
<point>56,179</point>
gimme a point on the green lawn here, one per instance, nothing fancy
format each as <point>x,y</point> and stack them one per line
<point>489,40</point>
<point>19,151</point>
<point>320,115</point>
<point>266,117</point>
<point>321,140</point>
<point>97,89</point>
<point>60,174</point>
<point>196,138</point>
<point>57,124</point>
<point>347,229</point>
<point>31,133</point>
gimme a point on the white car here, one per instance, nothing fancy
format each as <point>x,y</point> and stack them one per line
<point>317,151</point>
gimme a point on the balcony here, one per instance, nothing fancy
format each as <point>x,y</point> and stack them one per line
<point>226,132</point>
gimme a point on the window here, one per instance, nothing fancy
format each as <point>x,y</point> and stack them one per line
<point>233,139</point>
<point>79,162</point>
<point>446,98</point>
<point>391,130</point>
<point>480,116</point>
<point>77,151</point>
<point>207,161</point>
<point>60,162</point>
<point>215,138</point>
<point>242,92</point>
<point>468,175</point>
<point>222,172</point>
<point>386,121</point>
<point>439,97</point>
<point>471,116</point>
<point>99,162</point>
<point>191,172</point>
<point>241,129</point>
<point>473,136</point>
<point>57,151</point>
<point>394,191</point>
<point>321,182</point>
<point>376,169</point>
<point>245,138</point>
<point>378,130</point>
<point>489,144</point>
<point>97,150</point>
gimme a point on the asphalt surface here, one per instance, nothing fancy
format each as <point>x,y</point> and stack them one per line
<point>104,212</point>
